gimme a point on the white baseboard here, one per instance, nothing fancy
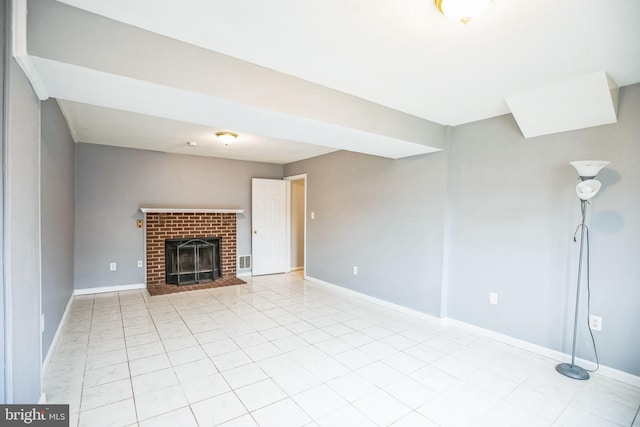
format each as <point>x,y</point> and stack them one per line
<point>43,398</point>
<point>56,337</point>
<point>243,274</point>
<point>117,288</point>
<point>378,301</point>
<point>605,371</point>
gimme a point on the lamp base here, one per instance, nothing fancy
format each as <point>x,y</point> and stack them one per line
<point>572,371</point>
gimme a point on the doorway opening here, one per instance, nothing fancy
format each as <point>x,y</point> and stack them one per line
<point>297,224</point>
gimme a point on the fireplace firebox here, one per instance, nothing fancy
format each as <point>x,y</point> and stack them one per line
<point>189,261</point>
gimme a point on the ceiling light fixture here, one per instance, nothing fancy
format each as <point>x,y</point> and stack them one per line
<point>462,10</point>
<point>226,137</point>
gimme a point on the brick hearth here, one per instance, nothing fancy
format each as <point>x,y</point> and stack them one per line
<point>185,225</point>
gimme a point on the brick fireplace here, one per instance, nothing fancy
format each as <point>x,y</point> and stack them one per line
<point>163,224</point>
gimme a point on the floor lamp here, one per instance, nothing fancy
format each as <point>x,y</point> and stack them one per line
<point>586,190</point>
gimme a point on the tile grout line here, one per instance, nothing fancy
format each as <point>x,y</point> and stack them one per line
<point>126,350</point>
<point>635,418</point>
<point>84,370</point>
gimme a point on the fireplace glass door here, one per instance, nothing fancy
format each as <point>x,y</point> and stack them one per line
<point>189,261</point>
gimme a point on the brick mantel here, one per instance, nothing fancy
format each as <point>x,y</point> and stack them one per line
<point>187,224</point>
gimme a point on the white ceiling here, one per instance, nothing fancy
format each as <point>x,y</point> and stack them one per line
<point>108,126</point>
<point>400,57</point>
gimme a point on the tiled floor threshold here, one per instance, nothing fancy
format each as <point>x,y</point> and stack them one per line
<point>280,351</point>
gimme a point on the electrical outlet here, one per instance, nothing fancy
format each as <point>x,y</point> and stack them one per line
<point>112,266</point>
<point>595,322</point>
<point>139,263</point>
<point>493,297</point>
<point>355,270</point>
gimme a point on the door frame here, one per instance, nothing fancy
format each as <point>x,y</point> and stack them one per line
<point>288,224</point>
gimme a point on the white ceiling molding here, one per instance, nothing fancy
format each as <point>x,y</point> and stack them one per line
<point>68,118</point>
<point>583,102</point>
<point>31,71</point>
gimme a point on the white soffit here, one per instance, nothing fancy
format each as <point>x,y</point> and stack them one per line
<point>583,102</point>
<point>284,135</point>
<point>83,85</point>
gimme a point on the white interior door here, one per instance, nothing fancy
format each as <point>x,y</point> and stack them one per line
<point>269,226</point>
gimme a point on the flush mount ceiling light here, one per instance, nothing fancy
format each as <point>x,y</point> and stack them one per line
<point>226,137</point>
<point>462,10</point>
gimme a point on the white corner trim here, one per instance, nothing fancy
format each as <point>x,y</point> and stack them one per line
<point>43,398</point>
<point>378,301</point>
<point>103,289</point>
<point>605,371</point>
<point>56,337</point>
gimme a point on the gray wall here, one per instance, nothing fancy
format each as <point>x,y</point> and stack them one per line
<point>514,212</point>
<point>113,183</point>
<point>22,239</point>
<point>57,217</point>
<point>297,223</point>
<point>509,209</point>
<point>385,217</point>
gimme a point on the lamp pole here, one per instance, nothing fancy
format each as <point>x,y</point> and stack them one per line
<point>572,370</point>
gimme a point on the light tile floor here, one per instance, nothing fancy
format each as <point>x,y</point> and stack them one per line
<point>280,352</point>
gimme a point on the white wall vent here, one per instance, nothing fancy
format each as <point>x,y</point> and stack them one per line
<point>244,262</point>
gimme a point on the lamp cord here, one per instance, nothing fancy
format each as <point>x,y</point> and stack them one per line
<point>583,208</point>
